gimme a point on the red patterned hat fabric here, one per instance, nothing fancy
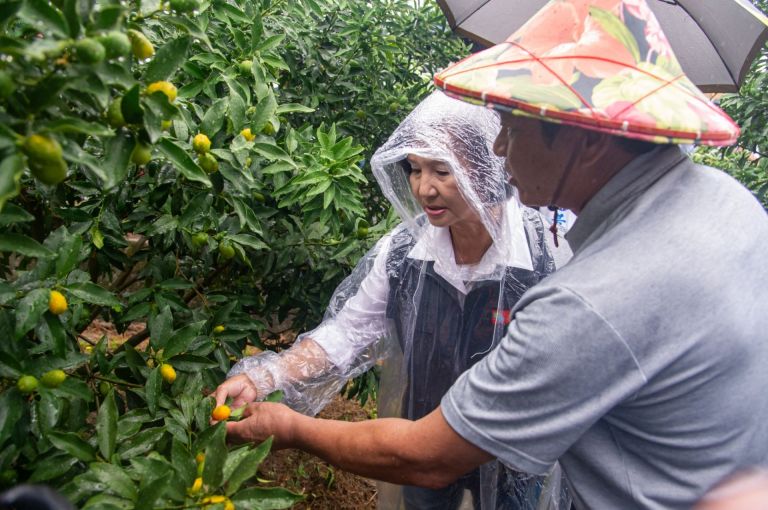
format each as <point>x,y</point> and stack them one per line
<point>603,65</point>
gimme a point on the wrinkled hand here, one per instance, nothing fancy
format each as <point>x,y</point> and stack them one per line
<point>261,420</point>
<point>240,388</point>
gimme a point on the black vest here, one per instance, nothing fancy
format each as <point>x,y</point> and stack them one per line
<point>451,332</point>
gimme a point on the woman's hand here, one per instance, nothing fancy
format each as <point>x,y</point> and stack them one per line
<point>240,389</point>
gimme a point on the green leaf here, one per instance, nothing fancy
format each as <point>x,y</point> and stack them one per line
<point>265,110</point>
<point>76,125</point>
<point>107,502</point>
<point>12,213</point>
<point>182,339</point>
<point>151,491</point>
<point>277,168</point>
<point>250,241</point>
<point>163,224</point>
<point>130,106</point>
<point>97,238</point>
<point>153,388</point>
<point>263,498</point>
<point>236,111</point>
<point>272,152</point>
<point>270,42</point>
<point>149,7</point>
<point>293,107</point>
<point>109,16</point>
<point>8,9</point>
<point>7,292</point>
<point>182,460</point>
<point>92,293</point>
<point>48,410</point>
<point>233,13</point>
<point>73,387</point>
<point>168,58</point>
<point>141,443</point>
<point>157,109</point>
<point>192,363</point>
<point>183,162</point>
<point>214,117</point>
<point>69,254</point>
<point>160,328</point>
<point>30,309</point>
<point>215,457</point>
<point>57,334</point>
<point>11,410</point>
<point>275,396</point>
<point>50,467</point>
<point>246,215</point>
<point>115,479</point>
<point>11,169</point>
<point>117,158</point>
<point>106,425</point>
<point>73,445</point>
<point>75,154</point>
<point>247,467</point>
<point>275,62</point>
<point>36,11</point>
<point>23,245</point>
<point>195,208</point>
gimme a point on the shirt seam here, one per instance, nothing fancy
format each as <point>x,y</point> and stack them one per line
<point>528,461</point>
<point>608,323</point>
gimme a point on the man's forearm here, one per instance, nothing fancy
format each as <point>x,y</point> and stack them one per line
<point>426,452</point>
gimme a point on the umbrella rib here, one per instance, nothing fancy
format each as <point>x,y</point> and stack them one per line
<point>713,44</point>
<point>480,5</point>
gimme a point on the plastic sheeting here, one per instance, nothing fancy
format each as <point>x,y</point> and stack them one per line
<point>409,306</point>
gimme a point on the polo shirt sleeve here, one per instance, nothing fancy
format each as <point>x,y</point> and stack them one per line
<point>558,370</point>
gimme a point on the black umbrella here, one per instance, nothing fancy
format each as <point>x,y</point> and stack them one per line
<point>714,40</point>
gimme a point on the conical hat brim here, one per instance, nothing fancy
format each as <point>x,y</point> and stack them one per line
<point>604,76</point>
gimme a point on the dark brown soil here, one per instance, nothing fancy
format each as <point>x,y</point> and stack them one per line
<point>325,487</point>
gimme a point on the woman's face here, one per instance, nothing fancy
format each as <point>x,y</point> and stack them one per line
<point>435,188</point>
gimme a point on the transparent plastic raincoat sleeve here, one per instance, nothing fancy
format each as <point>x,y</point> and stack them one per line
<point>343,346</point>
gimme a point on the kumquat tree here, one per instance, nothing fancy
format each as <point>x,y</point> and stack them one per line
<point>195,171</point>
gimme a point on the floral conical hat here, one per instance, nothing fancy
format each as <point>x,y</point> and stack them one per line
<point>603,65</point>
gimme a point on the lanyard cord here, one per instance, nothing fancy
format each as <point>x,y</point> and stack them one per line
<point>556,195</point>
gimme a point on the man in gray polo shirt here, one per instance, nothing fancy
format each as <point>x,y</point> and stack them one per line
<point>640,365</point>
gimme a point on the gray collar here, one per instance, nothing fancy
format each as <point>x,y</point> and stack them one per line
<point>632,180</point>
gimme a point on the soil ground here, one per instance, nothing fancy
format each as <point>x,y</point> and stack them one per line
<point>326,487</point>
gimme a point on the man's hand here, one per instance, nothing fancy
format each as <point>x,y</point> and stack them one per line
<point>261,420</point>
<point>240,388</point>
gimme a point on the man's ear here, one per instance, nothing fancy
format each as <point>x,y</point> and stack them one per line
<point>593,147</point>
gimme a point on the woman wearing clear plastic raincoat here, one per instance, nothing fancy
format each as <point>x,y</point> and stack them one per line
<point>429,300</point>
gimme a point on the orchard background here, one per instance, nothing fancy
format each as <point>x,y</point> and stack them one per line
<point>195,173</point>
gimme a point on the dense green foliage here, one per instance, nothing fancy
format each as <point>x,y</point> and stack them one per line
<point>104,199</point>
<point>748,159</point>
